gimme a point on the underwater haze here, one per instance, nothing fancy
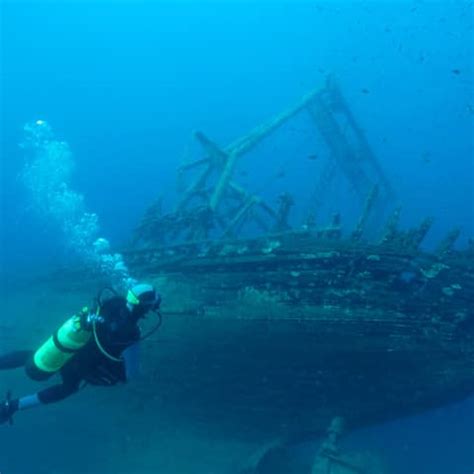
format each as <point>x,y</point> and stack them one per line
<point>122,85</point>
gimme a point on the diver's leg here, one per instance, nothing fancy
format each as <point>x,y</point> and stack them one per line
<point>15,359</point>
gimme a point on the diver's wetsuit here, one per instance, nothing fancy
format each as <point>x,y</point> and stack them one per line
<point>118,335</point>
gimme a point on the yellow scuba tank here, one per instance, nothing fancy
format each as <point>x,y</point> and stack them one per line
<point>62,345</point>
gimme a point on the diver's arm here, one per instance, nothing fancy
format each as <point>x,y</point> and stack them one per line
<point>131,357</point>
<point>51,394</point>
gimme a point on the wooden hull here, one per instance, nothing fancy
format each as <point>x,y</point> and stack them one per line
<point>278,335</point>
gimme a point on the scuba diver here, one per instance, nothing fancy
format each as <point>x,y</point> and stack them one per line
<point>98,346</point>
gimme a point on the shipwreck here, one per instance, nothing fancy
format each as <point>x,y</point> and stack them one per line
<point>274,326</point>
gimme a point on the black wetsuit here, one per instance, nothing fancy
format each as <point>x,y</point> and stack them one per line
<point>89,365</point>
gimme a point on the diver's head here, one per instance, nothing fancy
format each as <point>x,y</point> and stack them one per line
<point>143,298</point>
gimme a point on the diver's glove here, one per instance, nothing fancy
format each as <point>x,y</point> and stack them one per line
<point>7,408</point>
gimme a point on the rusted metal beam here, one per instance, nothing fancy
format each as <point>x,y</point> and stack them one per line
<point>340,148</point>
<point>445,247</point>
<point>390,231</point>
<point>369,204</point>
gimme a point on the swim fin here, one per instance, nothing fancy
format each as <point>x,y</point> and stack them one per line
<point>7,410</point>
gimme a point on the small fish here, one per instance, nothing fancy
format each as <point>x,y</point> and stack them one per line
<point>313,157</point>
<point>470,108</point>
<point>456,71</point>
<point>365,91</point>
<point>426,157</point>
<point>280,174</point>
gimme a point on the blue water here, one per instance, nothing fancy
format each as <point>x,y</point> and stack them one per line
<point>125,83</point>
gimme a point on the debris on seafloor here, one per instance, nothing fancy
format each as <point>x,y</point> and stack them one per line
<point>332,459</point>
<point>283,457</point>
